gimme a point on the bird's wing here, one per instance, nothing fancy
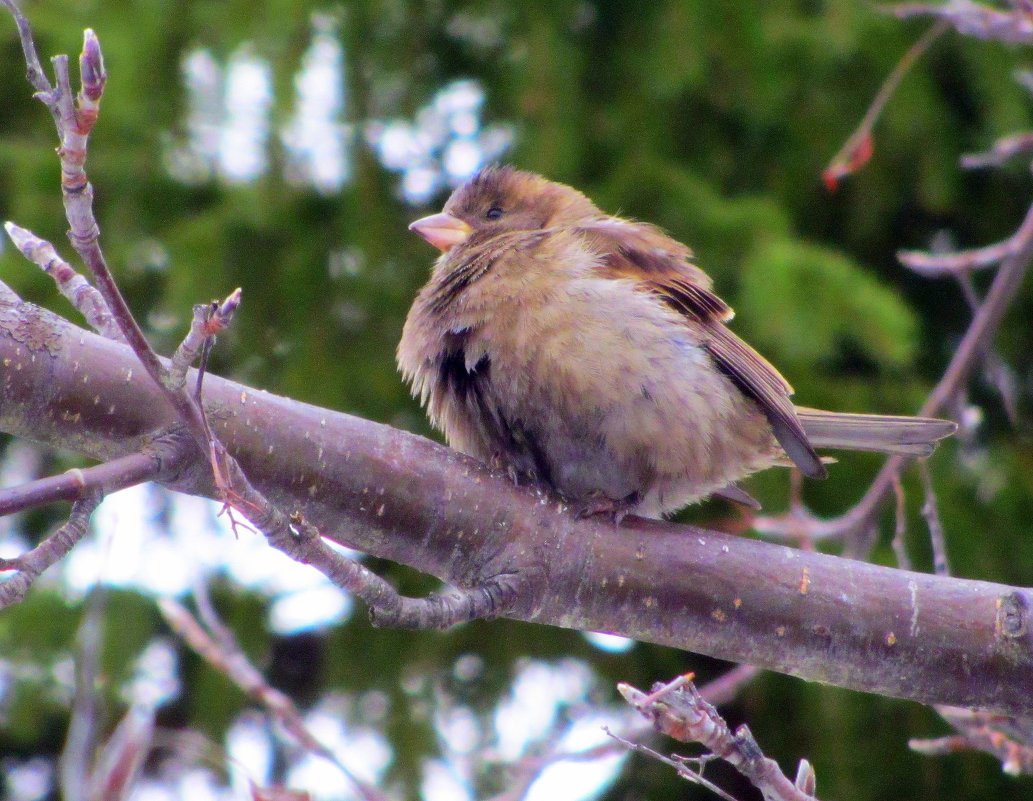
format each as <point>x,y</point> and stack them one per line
<point>643,253</point>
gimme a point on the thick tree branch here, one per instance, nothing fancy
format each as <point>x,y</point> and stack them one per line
<point>404,498</point>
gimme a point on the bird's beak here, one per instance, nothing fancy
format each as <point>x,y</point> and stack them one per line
<point>443,231</point>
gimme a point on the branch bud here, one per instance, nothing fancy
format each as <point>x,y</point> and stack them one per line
<point>91,67</point>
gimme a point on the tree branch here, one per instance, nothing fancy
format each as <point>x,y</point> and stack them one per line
<point>974,19</point>
<point>1009,739</point>
<point>119,473</point>
<point>978,338</point>
<point>30,565</point>
<point>404,498</point>
<point>680,711</point>
<point>73,286</point>
<point>210,638</point>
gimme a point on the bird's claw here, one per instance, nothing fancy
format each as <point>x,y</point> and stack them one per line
<point>599,505</point>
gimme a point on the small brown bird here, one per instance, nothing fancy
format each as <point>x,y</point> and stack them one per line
<point>589,352</point>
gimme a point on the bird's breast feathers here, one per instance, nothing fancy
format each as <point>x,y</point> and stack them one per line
<point>579,372</point>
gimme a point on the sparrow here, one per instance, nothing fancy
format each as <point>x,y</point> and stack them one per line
<point>590,353</point>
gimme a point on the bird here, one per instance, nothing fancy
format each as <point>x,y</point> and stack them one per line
<point>589,353</point>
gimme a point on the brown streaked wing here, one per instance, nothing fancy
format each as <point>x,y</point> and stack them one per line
<point>756,378</point>
<point>643,252</point>
<point>662,266</point>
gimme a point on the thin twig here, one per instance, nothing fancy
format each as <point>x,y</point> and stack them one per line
<point>973,19</point>
<point>209,320</point>
<point>31,564</point>
<point>678,710</point>
<point>931,513</point>
<point>857,149</point>
<point>121,760</point>
<point>966,261</point>
<point>74,123</point>
<point>71,284</point>
<point>858,525</point>
<point>119,473</point>
<point>725,688</point>
<point>900,527</point>
<point>34,70</point>
<point>979,336</point>
<point>721,690</point>
<point>302,542</point>
<point>526,771</point>
<point>995,370</point>
<point>1010,740</point>
<point>1002,151</point>
<point>75,764</point>
<point>75,120</point>
<point>217,645</point>
<point>680,764</point>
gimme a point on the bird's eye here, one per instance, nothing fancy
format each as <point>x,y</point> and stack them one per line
<point>493,213</point>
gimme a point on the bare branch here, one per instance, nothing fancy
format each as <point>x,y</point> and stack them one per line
<point>965,261</point>
<point>979,336</point>
<point>973,19</point>
<point>725,688</point>
<point>995,370</point>
<point>1009,739</point>
<point>678,710</point>
<point>34,70</point>
<point>857,149</point>
<point>122,758</point>
<point>80,742</point>
<point>31,564</point>
<point>301,541</point>
<point>209,320</point>
<point>405,499</point>
<point>77,483</point>
<point>1003,150</point>
<point>900,528</point>
<point>73,286</point>
<point>74,124</point>
<point>931,513</point>
<point>216,644</point>
<point>968,260</point>
<point>719,691</point>
<point>690,769</point>
<point>858,525</point>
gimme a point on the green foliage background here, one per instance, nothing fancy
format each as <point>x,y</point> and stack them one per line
<point>711,119</point>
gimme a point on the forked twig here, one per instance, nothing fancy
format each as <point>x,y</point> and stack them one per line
<point>678,710</point>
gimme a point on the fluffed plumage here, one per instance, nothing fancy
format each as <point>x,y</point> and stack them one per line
<point>590,353</point>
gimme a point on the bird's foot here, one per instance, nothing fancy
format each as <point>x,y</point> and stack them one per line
<point>519,477</point>
<point>599,505</point>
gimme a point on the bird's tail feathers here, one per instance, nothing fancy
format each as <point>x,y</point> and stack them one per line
<point>907,436</point>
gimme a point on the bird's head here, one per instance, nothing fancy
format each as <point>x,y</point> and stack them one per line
<point>502,199</point>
